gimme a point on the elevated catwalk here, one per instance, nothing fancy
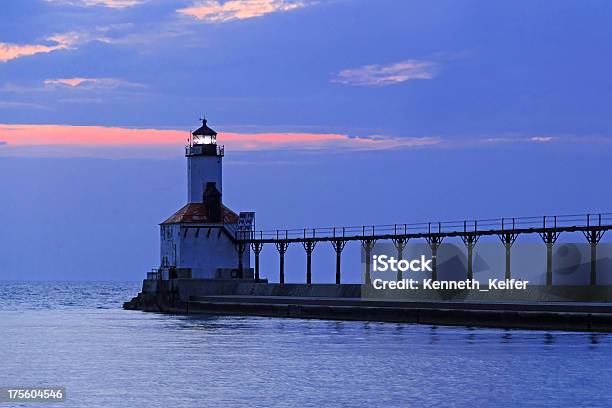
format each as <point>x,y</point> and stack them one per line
<point>549,228</point>
<point>547,306</point>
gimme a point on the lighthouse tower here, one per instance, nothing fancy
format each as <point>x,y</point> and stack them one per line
<point>199,241</point>
<point>204,162</point>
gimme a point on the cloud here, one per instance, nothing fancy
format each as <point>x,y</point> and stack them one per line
<point>66,81</point>
<point>21,135</point>
<point>90,83</point>
<point>118,142</point>
<point>519,139</point>
<point>88,138</point>
<point>118,4</point>
<point>13,51</point>
<point>20,105</point>
<point>68,85</point>
<point>541,139</point>
<point>218,12</point>
<point>73,38</point>
<point>62,41</point>
<point>81,100</point>
<point>381,75</point>
<point>48,94</point>
<point>318,141</point>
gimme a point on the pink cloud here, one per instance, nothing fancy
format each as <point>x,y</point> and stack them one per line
<point>66,81</point>
<point>26,136</point>
<point>215,11</point>
<point>13,51</point>
<point>21,135</point>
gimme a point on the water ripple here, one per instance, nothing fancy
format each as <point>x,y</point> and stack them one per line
<point>76,335</point>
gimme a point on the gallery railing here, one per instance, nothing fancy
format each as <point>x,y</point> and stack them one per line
<point>492,226</point>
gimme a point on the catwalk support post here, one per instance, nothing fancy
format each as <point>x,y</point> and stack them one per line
<point>367,245</point>
<point>400,245</point>
<point>549,237</point>
<point>241,247</point>
<point>257,247</point>
<point>309,247</point>
<point>470,241</point>
<point>281,246</point>
<point>434,240</point>
<point>593,236</point>
<point>338,245</point>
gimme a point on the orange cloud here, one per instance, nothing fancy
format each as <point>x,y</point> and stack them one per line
<point>13,51</point>
<point>215,11</point>
<point>20,136</point>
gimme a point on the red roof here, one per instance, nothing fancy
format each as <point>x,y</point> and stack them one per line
<point>196,213</point>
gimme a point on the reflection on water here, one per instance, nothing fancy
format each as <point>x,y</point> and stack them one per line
<point>596,338</point>
<point>471,336</point>
<point>549,338</point>
<point>433,335</point>
<point>113,358</point>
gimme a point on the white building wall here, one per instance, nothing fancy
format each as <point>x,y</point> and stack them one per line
<point>169,244</point>
<point>204,255</point>
<point>200,170</point>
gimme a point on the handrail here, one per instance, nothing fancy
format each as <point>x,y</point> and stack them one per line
<point>432,228</point>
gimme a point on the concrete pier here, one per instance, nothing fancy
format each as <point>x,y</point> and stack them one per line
<point>559,308</point>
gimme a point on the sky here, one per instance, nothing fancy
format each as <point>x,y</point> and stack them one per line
<point>339,112</point>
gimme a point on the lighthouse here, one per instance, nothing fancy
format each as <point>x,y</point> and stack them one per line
<point>199,241</point>
<point>204,162</point>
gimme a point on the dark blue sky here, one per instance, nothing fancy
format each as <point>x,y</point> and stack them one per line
<point>334,112</point>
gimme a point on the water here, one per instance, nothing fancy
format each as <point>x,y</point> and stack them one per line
<point>76,335</point>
